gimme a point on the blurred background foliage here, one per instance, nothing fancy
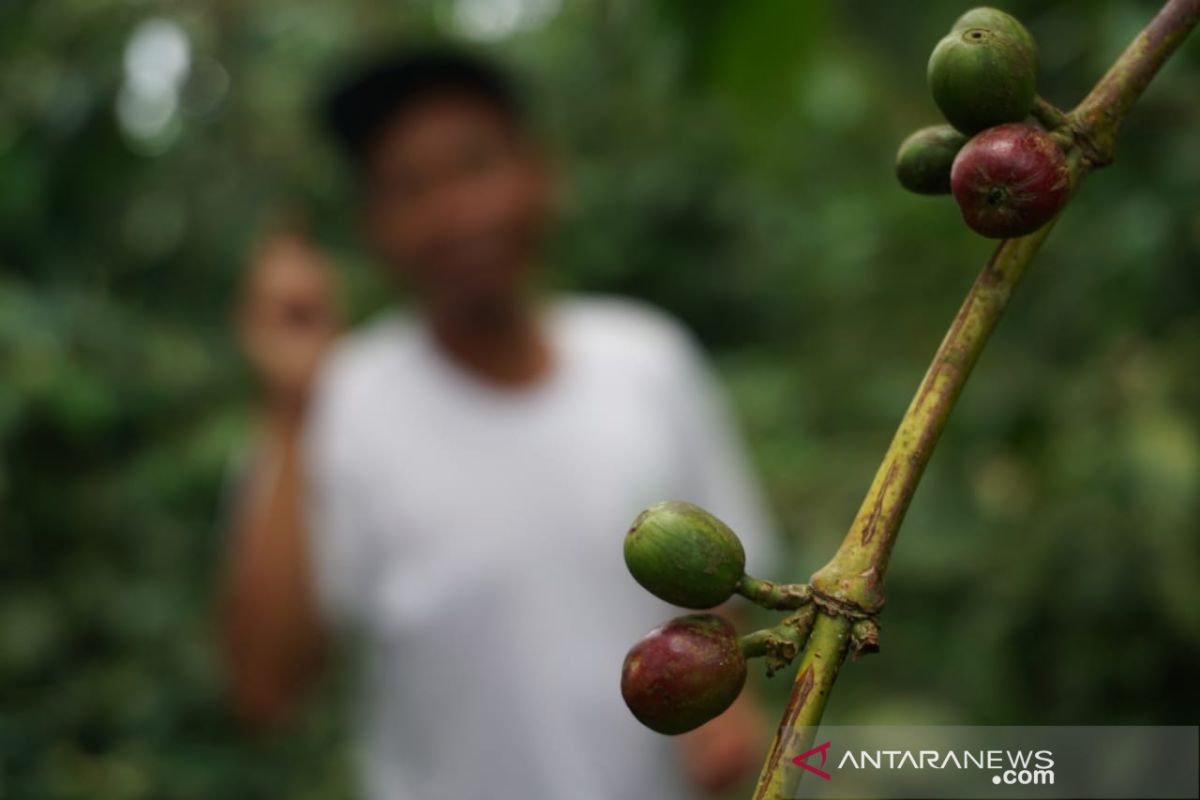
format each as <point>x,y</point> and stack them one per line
<point>729,161</point>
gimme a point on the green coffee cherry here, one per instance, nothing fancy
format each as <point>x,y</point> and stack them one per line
<point>682,554</point>
<point>994,19</point>
<point>923,163</point>
<point>982,77</point>
<point>683,674</point>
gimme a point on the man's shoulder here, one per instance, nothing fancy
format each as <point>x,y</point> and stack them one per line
<point>624,328</point>
<point>365,357</point>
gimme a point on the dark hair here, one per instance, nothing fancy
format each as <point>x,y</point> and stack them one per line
<point>358,107</point>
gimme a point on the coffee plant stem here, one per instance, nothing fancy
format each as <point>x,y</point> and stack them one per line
<point>848,591</point>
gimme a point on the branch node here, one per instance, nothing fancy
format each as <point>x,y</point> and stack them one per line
<point>864,637</point>
<point>1099,149</point>
<point>841,607</point>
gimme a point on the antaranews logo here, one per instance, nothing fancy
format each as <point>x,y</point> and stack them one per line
<point>800,760</point>
<point>1008,767</point>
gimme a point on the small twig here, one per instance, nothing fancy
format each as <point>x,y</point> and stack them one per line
<point>779,645</point>
<point>1049,115</point>
<point>774,596</point>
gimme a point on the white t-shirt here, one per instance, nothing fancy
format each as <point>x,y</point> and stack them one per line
<point>472,536</point>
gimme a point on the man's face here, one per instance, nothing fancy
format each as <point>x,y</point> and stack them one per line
<point>456,199</point>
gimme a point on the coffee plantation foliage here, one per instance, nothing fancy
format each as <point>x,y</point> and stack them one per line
<point>732,162</point>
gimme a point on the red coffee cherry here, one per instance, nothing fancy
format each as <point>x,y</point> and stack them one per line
<point>1010,180</point>
<point>683,674</point>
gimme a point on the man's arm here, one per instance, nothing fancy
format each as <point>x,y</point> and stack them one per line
<point>271,633</point>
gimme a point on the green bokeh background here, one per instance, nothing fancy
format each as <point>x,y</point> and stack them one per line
<point>729,161</point>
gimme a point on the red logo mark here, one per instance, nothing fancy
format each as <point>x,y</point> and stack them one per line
<point>799,760</point>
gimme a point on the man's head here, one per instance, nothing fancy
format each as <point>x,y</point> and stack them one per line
<point>455,192</point>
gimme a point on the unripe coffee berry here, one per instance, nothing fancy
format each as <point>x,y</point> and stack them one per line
<point>682,554</point>
<point>1010,180</point>
<point>683,674</point>
<point>996,20</point>
<point>924,160</point>
<point>981,77</point>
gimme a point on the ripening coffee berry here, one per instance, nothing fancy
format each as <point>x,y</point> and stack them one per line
<point>683,674</point>
<point>682,554</point>
<point>981,77</point>
<point>1010,180</point>
<point>923,163</point>
<point>996,20</point>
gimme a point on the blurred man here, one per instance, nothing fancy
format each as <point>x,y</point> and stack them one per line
<point>453,489</point>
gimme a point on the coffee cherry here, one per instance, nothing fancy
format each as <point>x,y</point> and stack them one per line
<point>994,19</point>
<point>1010,180</point>
<point>683,674</point>
<point>980,77</point>
<point>923,163</point>
<point>684,555</point>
